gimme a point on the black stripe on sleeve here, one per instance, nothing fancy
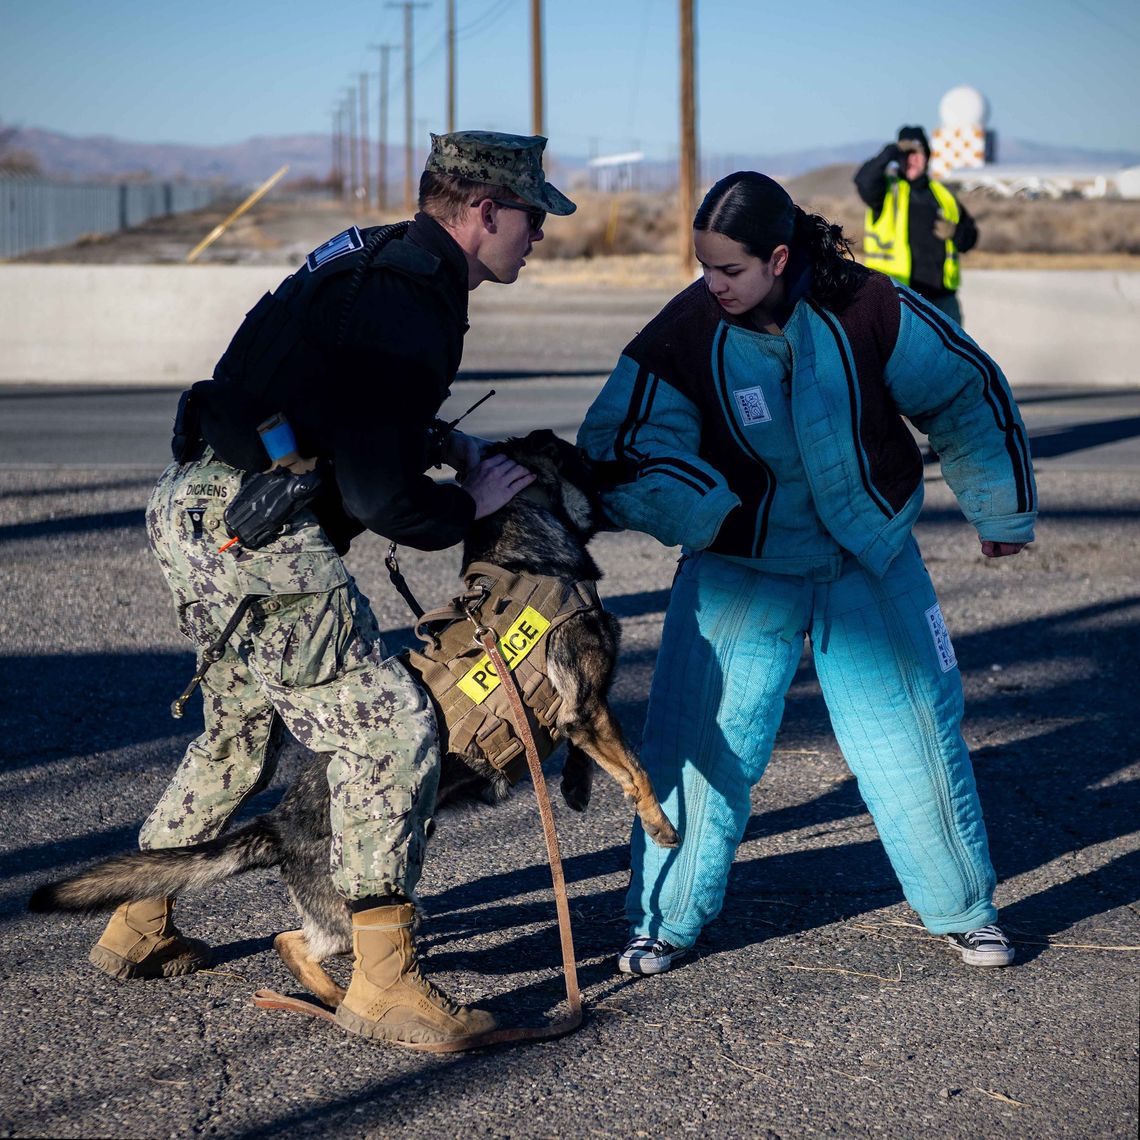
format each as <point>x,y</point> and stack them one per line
<point>643,417</point>
<point>1016,445</point>
<point>623,442</point>
<point>696,478</point>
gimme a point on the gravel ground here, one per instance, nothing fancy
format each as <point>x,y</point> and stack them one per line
<point>814,1005</point>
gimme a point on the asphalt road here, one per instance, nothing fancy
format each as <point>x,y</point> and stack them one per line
<point>1085,428</point>
<point>813,1006</point>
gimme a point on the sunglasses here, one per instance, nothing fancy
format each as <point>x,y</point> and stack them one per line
<point>534,216</point>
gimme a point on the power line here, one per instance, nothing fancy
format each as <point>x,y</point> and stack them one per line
<point>1111,24</point>
<point>488,18</point>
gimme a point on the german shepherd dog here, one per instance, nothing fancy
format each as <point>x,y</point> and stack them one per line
<point>544,531</point>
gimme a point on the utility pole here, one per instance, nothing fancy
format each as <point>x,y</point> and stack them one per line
<point>687,188</point>
<point>336,177</point>
<point>382,129</point>
<point>350,108</point>
<point>537,115</point>
<point>409,110</point>
<point>450,66</point>
<point>364,156</point>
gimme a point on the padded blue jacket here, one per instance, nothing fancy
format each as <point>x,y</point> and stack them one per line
<point>690,470</point>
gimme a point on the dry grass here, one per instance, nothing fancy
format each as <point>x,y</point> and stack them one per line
<point>1012,232</point>
<point>633,240</point>
<point>609,224</point>
<point>1070,226</point>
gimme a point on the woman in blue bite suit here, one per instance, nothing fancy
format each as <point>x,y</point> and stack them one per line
<point>757,422</point>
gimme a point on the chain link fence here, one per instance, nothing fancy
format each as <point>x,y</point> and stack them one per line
<point>37,213</point>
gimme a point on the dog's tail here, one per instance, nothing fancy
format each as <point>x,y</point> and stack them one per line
<point>157,874</point>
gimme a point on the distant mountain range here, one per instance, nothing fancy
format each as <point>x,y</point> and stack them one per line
<point>102,157</point>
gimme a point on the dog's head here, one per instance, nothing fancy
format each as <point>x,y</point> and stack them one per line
<point>564,478</point>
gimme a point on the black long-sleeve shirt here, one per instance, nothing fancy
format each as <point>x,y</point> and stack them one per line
<point>360,393</point>
<point>927,251</point>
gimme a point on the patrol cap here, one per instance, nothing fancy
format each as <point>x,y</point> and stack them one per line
<point>511,161</point>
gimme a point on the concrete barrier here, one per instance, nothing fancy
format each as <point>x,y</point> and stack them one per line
<point>167,324</point>
<point>1068,326</point>
<point>122,324</point>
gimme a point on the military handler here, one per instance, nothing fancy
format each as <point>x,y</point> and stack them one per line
<point>357,350</point>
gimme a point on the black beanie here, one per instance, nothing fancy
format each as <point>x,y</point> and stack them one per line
<point>915,134</point>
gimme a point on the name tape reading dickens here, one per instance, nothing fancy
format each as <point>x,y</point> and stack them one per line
<point>524,634</point>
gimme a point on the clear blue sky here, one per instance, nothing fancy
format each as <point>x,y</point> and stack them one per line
<point>772,76</point>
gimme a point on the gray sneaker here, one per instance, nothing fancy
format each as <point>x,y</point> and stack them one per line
<point>644,955</point>
<point>986,946</point>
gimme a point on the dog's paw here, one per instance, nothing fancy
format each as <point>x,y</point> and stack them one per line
<point>577,779</point>
<point>576,792</point>
<point>663,833</point>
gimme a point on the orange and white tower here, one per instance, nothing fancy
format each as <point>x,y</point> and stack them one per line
<point>963,140</point>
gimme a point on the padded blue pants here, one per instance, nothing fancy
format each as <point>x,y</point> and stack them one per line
<point>732,640</point>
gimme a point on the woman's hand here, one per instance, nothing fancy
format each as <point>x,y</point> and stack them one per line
<point>1001,549</point>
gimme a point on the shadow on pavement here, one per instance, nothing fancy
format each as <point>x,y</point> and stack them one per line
<point>1049,443</point>
<point>1045,795</point>
<point>72,525</point>
<point>60,706</point>
<point>1072,395</point>
<point>141,483</point>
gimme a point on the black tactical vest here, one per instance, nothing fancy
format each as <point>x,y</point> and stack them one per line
<point>266,359</point>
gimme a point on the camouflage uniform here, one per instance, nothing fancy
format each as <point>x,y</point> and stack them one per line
<point>308,654</point>
<point>358,350</point>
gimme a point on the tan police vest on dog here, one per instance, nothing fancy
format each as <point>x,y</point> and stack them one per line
<point>522,609</point>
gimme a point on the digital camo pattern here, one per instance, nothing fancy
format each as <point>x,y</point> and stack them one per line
<point>307,655</point>
<point>513,161</point>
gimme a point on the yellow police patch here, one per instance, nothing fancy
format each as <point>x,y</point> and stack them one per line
<point>524,634</point>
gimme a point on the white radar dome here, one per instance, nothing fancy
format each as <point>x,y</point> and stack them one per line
<point>964,107</point>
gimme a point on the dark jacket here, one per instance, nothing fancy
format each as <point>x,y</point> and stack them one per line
<point>928,252</point>
<point>360,383</point>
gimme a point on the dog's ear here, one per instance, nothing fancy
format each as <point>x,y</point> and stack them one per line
<point>543,441</point>
<point>544,447</point>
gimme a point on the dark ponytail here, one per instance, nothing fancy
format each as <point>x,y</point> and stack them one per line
<point>756,211</point>
<point>835,274</point>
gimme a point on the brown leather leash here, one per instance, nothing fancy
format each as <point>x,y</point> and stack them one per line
<point>270,999</point>
<point>554,855</point>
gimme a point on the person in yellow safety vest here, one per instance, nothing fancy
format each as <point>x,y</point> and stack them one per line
<point>915,228</point>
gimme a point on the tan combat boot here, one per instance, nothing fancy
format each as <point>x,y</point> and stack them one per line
<point>141,941</point>
<point>388,998</point>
